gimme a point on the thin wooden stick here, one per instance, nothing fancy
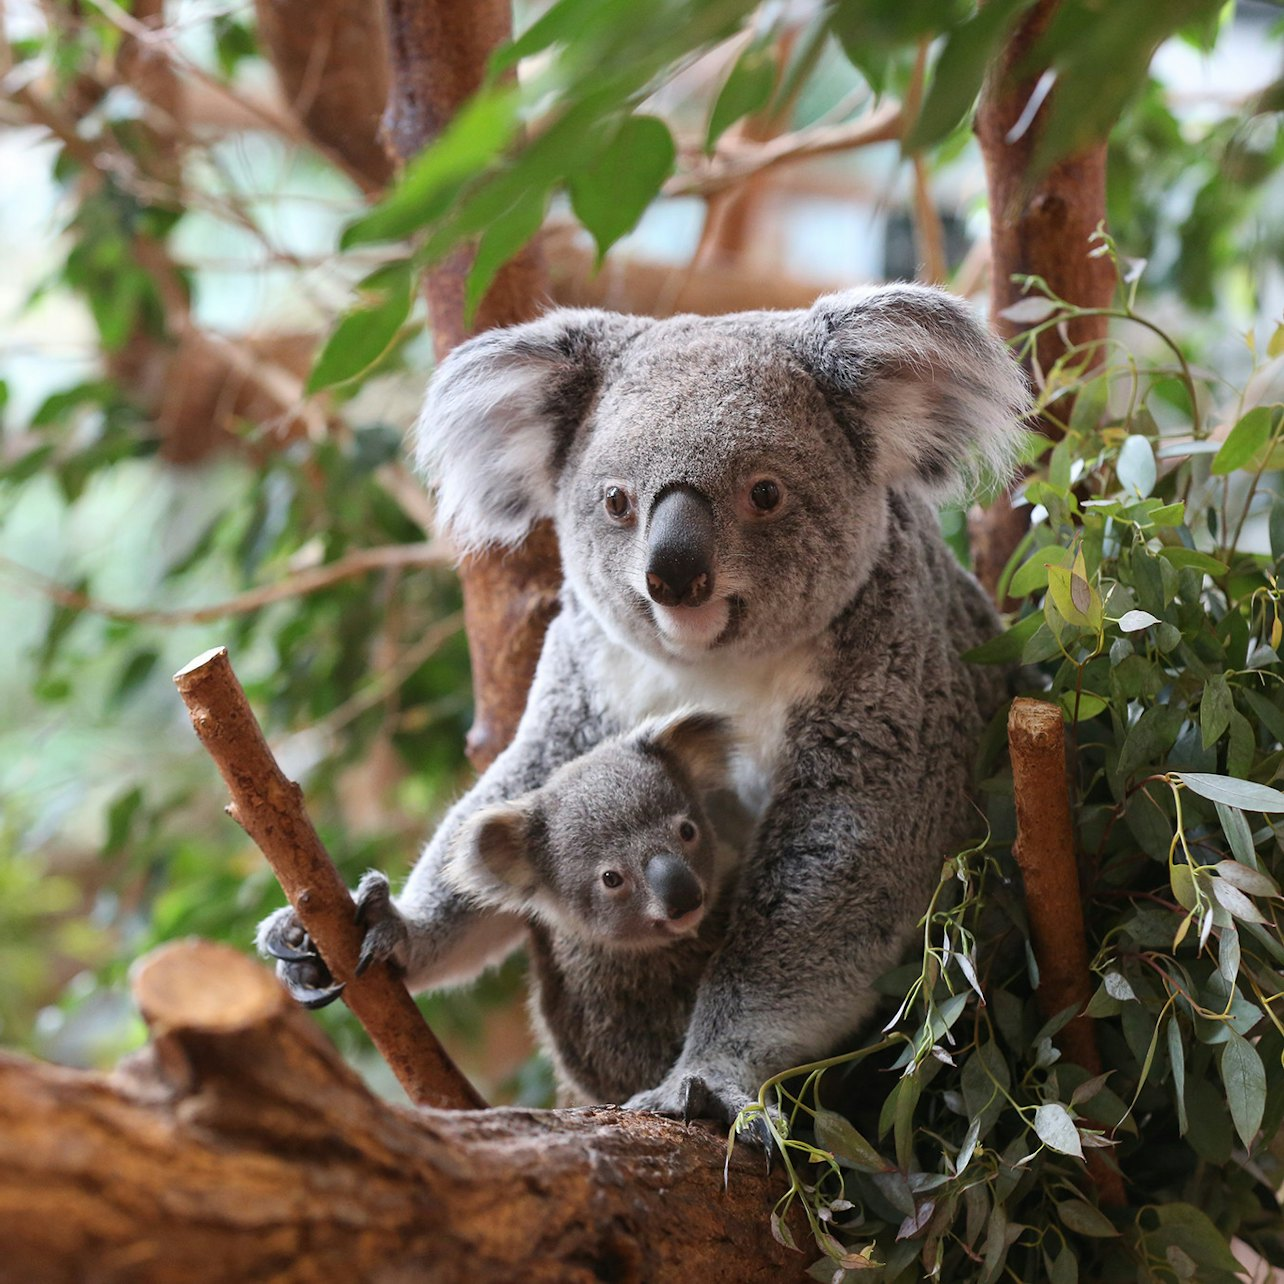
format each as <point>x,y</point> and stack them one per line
<point>1045,851</point>
<point>269,807</point>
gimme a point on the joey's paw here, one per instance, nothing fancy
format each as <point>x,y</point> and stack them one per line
<point>301,969</point>
<point>386,937</point>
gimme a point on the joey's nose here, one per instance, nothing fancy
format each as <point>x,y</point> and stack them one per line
<point>674,885</point>
<point>680,548</point>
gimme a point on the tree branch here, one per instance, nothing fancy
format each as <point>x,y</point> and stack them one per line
<point>1045,851</point>
<point>362,562</point>
<point>734,162</point>
<point>270,809</point>
<point>238,1146</point>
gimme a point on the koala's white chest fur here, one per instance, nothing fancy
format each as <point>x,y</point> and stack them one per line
<point>756,694</point>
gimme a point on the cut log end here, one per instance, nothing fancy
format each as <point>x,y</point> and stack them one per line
<point>200,985</point>
<point>206,658</point>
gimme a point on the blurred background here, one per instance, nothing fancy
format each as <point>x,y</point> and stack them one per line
<point>170,268</point>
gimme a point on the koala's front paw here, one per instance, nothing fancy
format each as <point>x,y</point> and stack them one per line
<point>281,936</point>
<point>386,936</point>
<point>301,969</point>
<point>703,1094</point>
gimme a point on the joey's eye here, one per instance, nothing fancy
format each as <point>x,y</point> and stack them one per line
<point>687,832</point>
<point>611,878</point>
<point>617,503</point>
<point>764,495</point>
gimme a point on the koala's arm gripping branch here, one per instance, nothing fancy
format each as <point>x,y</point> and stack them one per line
<point>269,807</point>
<point>1045,851</point>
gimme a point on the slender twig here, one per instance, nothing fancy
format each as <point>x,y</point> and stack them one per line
<point>269,807</point>
<point>362,562</point>
<point>734,163</point>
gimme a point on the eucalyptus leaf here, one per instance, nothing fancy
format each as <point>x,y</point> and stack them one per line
<point>1245,1081</point>
<point>1056,1129</point>
<point>1244,794</point>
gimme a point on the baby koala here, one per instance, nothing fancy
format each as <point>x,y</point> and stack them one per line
<point>623,865</point>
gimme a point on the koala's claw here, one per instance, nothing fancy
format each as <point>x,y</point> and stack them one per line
<point>385,930</point>
<point>298,965</point>
<point>704,1096</point>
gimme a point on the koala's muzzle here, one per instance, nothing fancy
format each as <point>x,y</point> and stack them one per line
<point>680,548</point>
<point>674,885</point>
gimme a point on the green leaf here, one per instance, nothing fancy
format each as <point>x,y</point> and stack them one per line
<point>1007,647</point>
<point>746,90</point>
<point>364,335</point>
<point>1215,707</point>
<point>1180,557</point>
<point>611,197</point>
<point>1135,467</point>
<point>1056,1129</point>
<point>501,240</point>
<point>959,71</point>
<point>1245,794</point>
<point>1244,441</point>
<point>1081,1217</point>
<point>474,138</point>
<point>1149,739</point>
<point>1239,836</point>
<point>1177,1056</point>
<point>1245,1081</point>
<point>1075,599</point>
<point>849,1147</point>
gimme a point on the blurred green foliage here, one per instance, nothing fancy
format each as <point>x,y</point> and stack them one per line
<point>112,837</point>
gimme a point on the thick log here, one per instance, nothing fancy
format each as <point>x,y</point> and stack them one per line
<point>438,51</point>
<point>1040,225</point>
<point>238,1146</point>
<point>1045,851</point>
<point>269,807</point>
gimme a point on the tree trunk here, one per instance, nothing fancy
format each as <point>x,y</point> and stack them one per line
<point>238,1146</point>
<point>1040,228</point>
<point>438,51</point>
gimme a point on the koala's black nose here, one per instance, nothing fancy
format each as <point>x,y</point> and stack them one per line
<point>680,547</point>
<point>674,885</point>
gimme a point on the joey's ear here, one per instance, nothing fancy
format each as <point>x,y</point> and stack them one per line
<point>489,859</point>
<point>922,387</point>
<point>501,415</point>
<point>702,744</point>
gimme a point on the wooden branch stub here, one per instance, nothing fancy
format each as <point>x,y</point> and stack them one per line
<point>1045,851</point>
<point>245,1149</point>
<point>269,807</point>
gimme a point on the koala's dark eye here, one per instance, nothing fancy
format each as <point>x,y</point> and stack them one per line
<point>687,831</point>
<point>764,495</point>
<point>611,878</point>
<point>617,502</point>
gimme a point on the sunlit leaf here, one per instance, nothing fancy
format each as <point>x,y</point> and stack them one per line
<point>610,198</point>
<point>1056,1129</point>
<point>1245,794</point>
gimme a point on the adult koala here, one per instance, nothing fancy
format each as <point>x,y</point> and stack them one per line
<point>743,505</point>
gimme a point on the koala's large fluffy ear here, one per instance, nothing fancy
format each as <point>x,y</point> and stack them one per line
<point>489,859</point>
<point>501,415</point>
<point>923,388</point>
<point>702,745</point>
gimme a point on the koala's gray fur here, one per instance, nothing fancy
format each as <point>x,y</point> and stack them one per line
<point>615,969</point>
<point>831,637</point>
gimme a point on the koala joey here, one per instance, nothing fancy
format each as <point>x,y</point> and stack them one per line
<point>744,508</point>
<point>623,865</point>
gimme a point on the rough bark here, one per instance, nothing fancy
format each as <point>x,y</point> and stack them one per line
<point>1039,225</point>
<point>1045,851</point>
<point>438,51</point>
<point>238,1146</point>
<point>269,807</point>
